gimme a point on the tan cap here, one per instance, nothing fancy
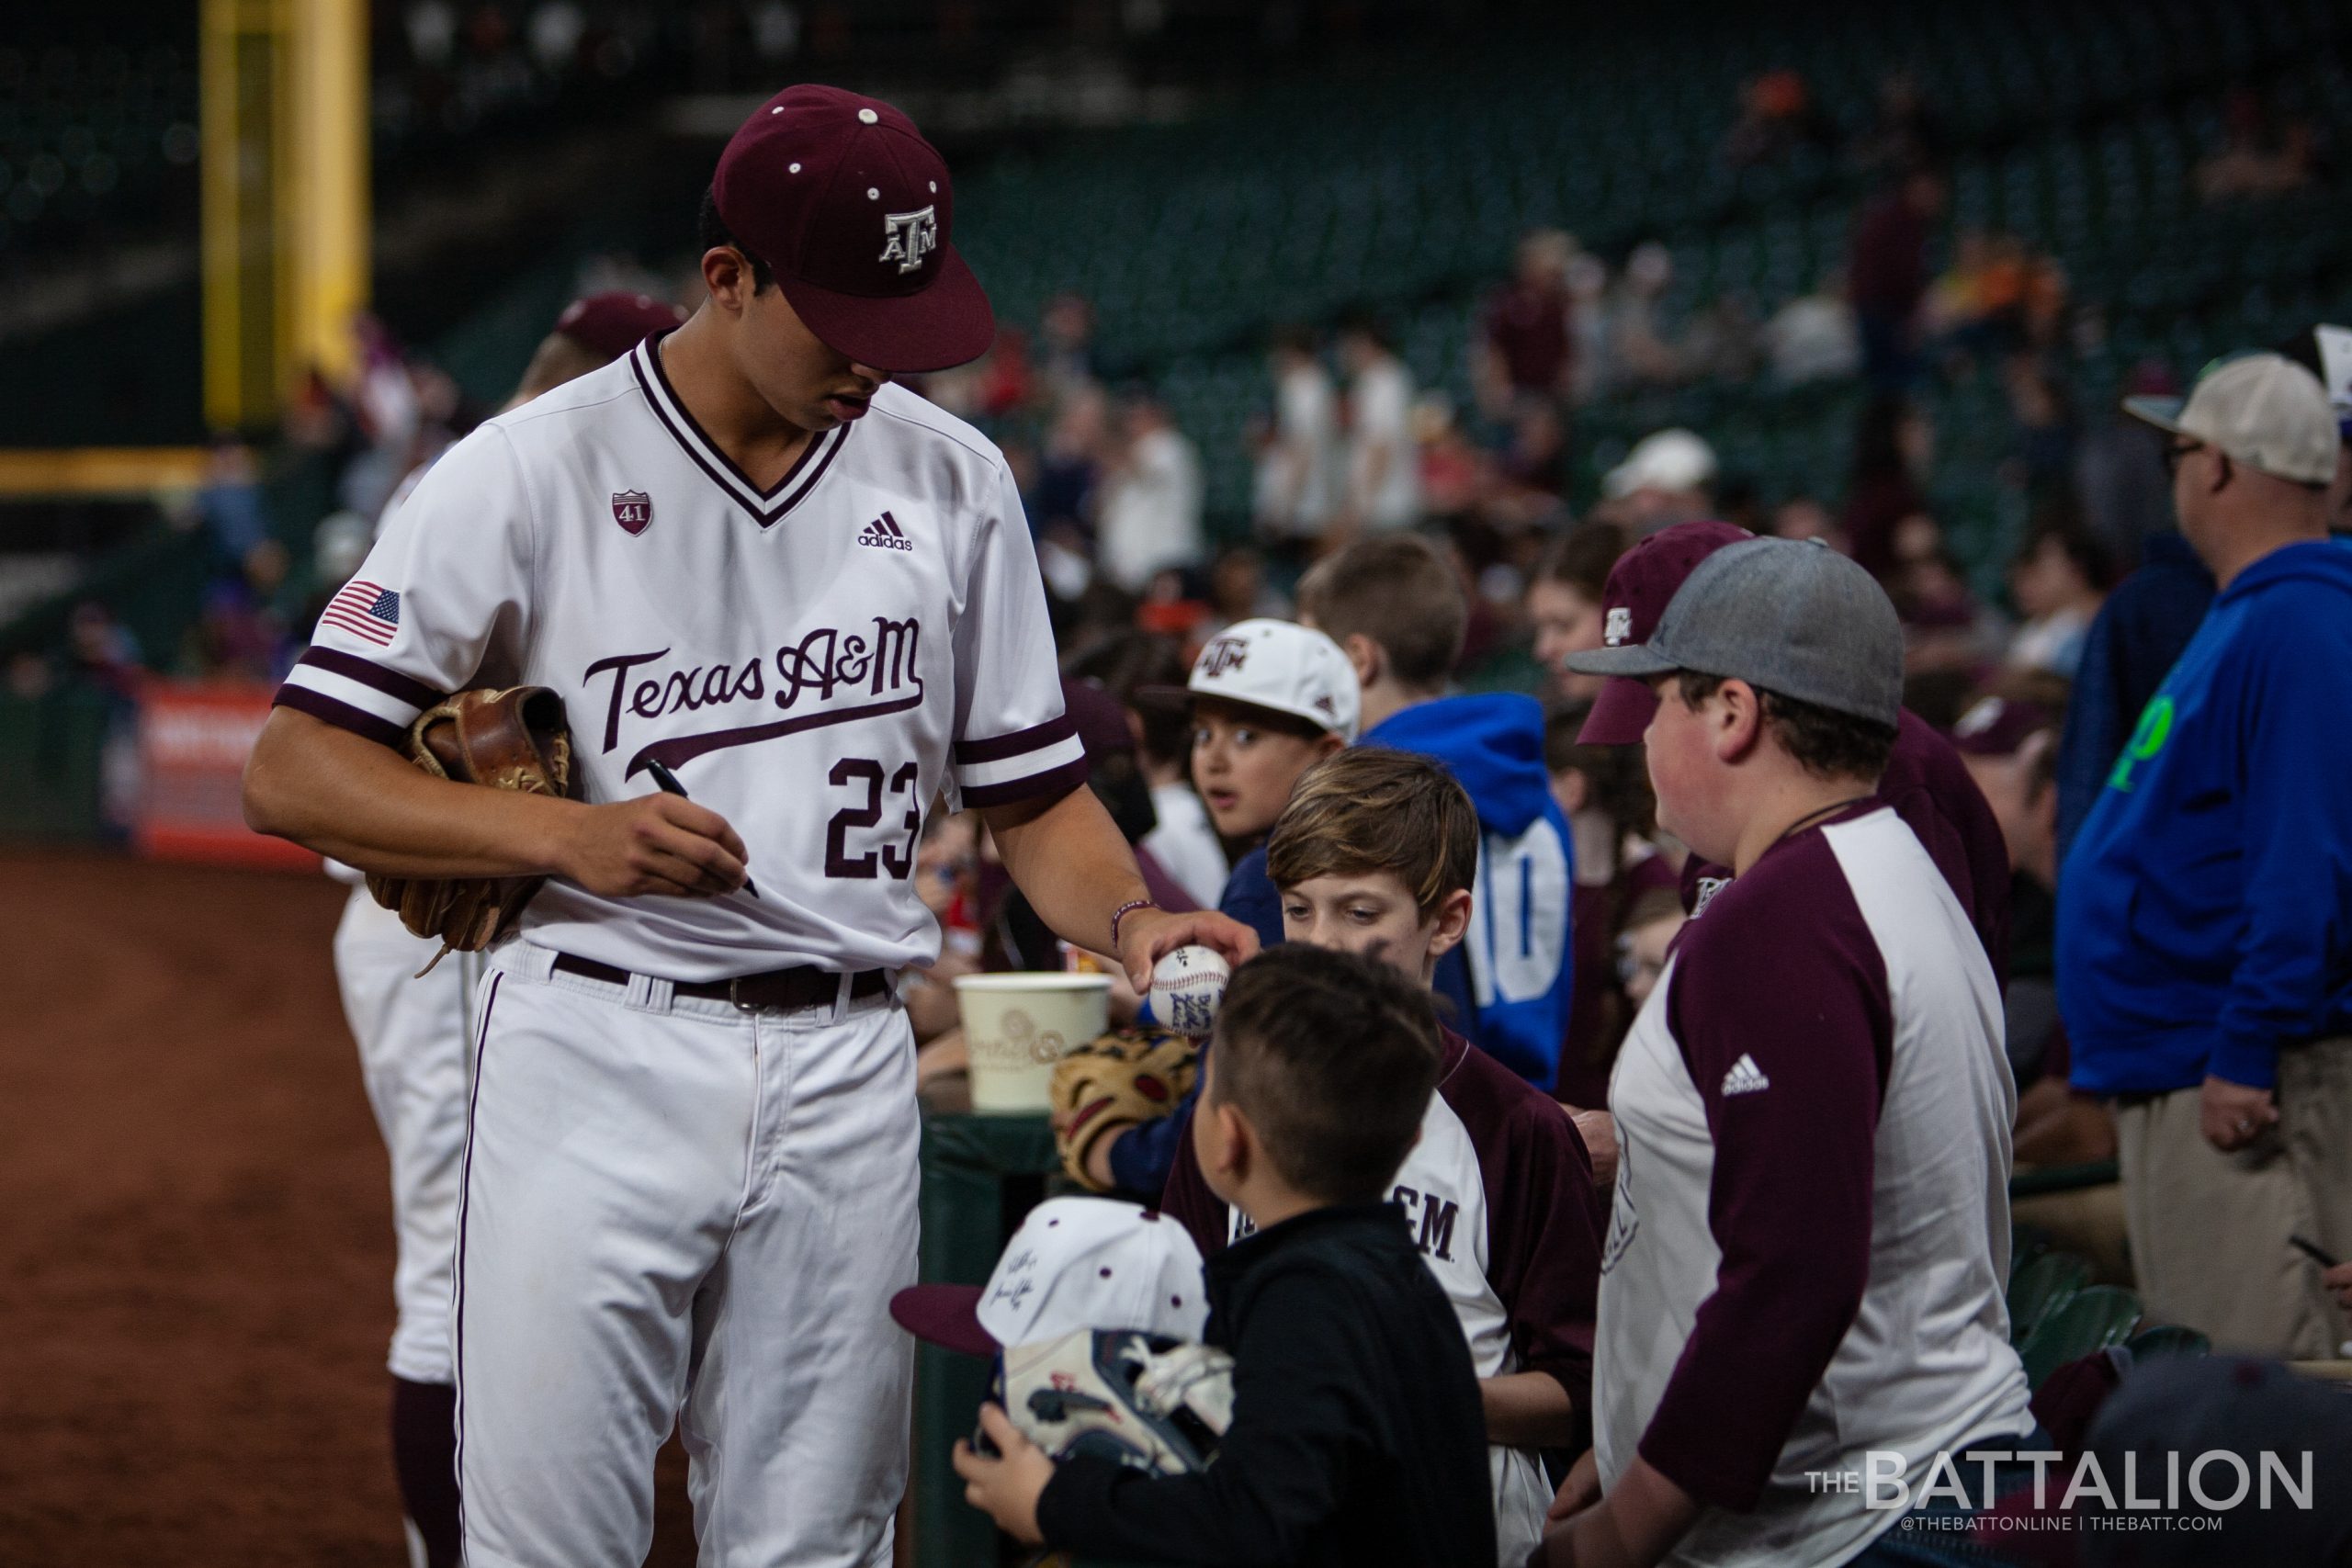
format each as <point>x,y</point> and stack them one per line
<point>2262,410</point>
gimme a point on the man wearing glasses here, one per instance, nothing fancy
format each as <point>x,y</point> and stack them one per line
<point>2205,911</point>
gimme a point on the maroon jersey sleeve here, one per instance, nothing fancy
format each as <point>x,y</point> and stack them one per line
<point>1779,1005</point>
<point>1929,788</point>
<point>1187,1198</point>
<point>1542,1248</point>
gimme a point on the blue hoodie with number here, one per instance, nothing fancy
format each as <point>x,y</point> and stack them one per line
<point>1509,980</point>
<point>2205,909</point>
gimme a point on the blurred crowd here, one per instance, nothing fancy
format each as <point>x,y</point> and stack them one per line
<point>2033,672</point>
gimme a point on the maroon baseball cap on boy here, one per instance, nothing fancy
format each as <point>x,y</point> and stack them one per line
<point>1999,727</point>
<point>1640,587</point>
<point>850,207</point>
<point>610,324</point>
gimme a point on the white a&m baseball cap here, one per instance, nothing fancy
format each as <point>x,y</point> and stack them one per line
<point>1279,666</point>
<point>1075,1263</point>
<point>2262,410</point>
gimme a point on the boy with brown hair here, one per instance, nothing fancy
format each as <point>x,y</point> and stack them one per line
<point>1356,1431</point>
<point>1376,855</point>
<point>1394,605</point>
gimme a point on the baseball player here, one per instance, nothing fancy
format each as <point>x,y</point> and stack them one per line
<point>688,1188</point>
<point>410,1029</point>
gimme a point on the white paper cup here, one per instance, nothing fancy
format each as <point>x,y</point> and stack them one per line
<point>1017,1026</point>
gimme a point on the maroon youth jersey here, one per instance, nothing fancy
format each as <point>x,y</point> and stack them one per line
<point>1498,1195</point>
<point>1810,1231</point>
<point>1929,788</point>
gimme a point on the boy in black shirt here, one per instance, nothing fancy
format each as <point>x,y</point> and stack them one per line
<point>1357,1432</point>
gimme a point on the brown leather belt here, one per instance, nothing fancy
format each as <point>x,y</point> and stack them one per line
<point>777,991</point>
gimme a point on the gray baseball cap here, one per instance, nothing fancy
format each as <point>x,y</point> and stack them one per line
<point>2264,410</point>
<point>1790,617</point>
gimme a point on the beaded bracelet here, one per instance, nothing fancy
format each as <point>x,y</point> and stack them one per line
<point>1122,912</point>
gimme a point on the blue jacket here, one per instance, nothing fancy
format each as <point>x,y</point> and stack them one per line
<point>1509,980</point>
<point>2136,637</point>
<point>2205,911</point>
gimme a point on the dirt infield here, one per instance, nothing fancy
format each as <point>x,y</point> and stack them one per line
<point>195,1245</point>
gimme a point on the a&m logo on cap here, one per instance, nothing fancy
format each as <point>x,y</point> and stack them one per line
<point>1617,627</point>
<point>908,237</point>
<point>1225,653</point>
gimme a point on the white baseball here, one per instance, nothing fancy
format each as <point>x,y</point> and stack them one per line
<point>1186,987</point>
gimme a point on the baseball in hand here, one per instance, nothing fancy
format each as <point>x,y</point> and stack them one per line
<point>1186,987</point>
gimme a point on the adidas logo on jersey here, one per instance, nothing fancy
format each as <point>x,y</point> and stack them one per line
<point>1746,1078</point>
<point>884,533</point>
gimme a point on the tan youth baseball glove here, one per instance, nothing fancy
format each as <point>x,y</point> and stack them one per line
<point>515,738</point>
<point>1117,1081</point>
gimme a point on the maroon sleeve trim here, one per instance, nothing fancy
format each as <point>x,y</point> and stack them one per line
<point>1054,783</point>
<point>997,748</point>
<point>1544,1251</point>
<point>351,667</point>
<point>342,715</point>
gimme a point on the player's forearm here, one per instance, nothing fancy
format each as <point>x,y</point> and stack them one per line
<point>332,791</point>
<point>1071,862</point>
<point>1528,1410</point>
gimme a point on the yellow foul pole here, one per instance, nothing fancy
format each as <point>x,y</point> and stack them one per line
<point>328,214</point>
<point>285,197</point>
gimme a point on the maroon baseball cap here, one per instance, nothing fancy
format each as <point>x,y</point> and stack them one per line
<point>850,207</point>
<point>1999,727</point>
<point>1640,587</point>
<point>611,324</point>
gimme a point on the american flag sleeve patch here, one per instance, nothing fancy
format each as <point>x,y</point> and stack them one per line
<point>366,611</point>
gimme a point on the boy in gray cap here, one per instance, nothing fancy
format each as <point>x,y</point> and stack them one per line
<point>1811,1226</point>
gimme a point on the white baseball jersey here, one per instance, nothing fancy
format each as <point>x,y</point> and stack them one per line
<point>816,660</point>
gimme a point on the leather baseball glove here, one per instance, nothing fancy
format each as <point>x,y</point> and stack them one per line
<point>1117,1081</point>
<point>515,738</point>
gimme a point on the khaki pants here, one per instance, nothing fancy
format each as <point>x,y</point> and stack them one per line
<point>2209,1230</point>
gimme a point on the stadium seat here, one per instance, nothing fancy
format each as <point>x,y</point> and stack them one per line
<point>2168,1339</point>
<point>2091,1319</point>
<point>2039,1285</point>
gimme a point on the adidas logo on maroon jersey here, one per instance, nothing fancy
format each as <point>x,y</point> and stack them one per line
<point>884,533</point>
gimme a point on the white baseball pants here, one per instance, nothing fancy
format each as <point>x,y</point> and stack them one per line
<point>676,1211</point>
<point>415,1054</point>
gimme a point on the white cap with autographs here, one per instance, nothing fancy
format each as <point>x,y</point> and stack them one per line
<point>2263,410</point>
<point>1280,665</point>
<point>1094,1263</point>
<point>1075,1263</point>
